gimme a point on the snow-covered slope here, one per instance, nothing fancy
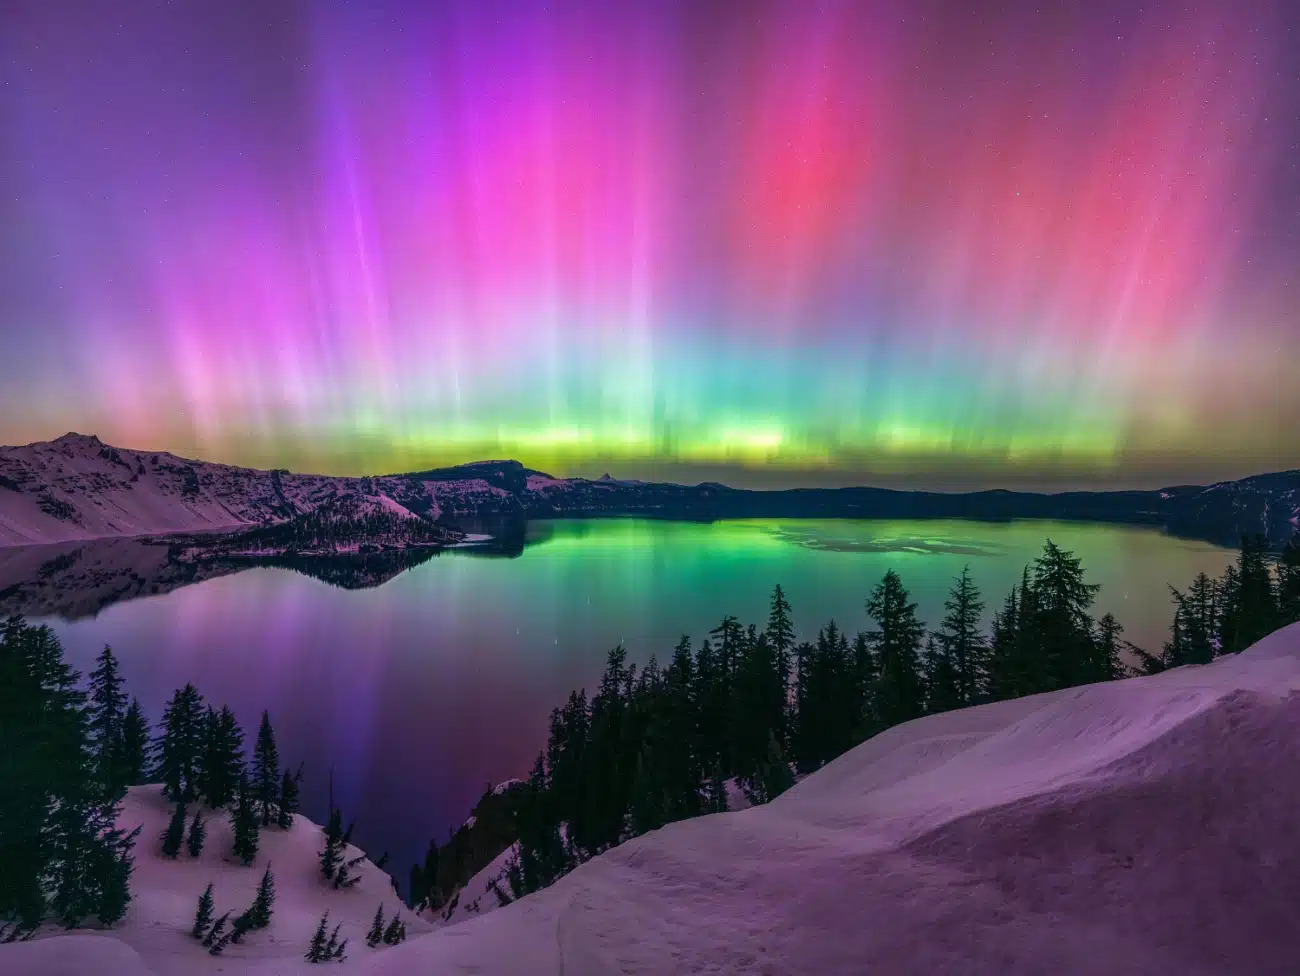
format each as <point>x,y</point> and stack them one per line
<point>1138,827</point>
<point>1143,827</point>
<point>154,937</point>
<point>79,488</point>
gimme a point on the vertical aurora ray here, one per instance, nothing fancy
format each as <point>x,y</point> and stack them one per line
<point>830,241</point>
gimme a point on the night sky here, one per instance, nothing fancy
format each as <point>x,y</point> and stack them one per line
<point>939,244</point>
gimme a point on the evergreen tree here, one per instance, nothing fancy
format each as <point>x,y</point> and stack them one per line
<point>897,645</point>
<point>941,690</point>
<point>332,946</point>
<point>1007,671</point>
<point>393,934</point>
<point>60,850</point>
<point>198,832</point>
<point>758,705</point>
<point>424,878</point>
<point>203,916</point>
<point>340,951</point>
<point>216,931</point>
<point>287,804</point>
<point>266,770</point>
<point>332,856</point>
<point>106,714</point>
<point>963,643</point>
<point>1250,605</point>
<point>376,933</point>
<point>1108,643</point>
<point>260,913</point>
<point>777,777</point>
<point>541,857</point>
<point>1062,630</point>
<point>133,758</point>
<point>240,926</point>
<point>862,689</point>
<point>244,824</point>
<point>174,835</point>
<point>179,745</point>
<point>316,951</point>
<point>1288,583</point>
<point>780,635</point>
<point>222,761</point>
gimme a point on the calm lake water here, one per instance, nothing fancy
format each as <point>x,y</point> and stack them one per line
<point>422,691</point>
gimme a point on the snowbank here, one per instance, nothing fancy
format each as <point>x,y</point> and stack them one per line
<point>1144,826</point>
<point>154,940</point>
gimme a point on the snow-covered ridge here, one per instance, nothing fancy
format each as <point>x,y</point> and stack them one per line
<point>77,487</point>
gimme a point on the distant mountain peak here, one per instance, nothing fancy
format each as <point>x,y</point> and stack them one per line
<point>72,437</point>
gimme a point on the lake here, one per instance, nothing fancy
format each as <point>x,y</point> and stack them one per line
<point>421,691</point>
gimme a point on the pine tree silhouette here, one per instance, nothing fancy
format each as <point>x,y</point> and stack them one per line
<point>263,904</point>
<point>198,832</point>
<point>376,933</point>
<point>106,714</point>
<point>174,835</point>
<point>180,744</point>
<point>243,821</point>
<point>216,931</point>
<point>203,916</point>
<point>316,951</point>
<point>266,770</point>
<point>133,759</point>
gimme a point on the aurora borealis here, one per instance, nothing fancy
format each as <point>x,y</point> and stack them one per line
<point>768,243</point>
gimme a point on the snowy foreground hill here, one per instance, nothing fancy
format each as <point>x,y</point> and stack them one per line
<point>1146,826</point>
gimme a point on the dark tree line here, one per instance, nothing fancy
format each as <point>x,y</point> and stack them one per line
<point>66,760</point>
<point>659,745</point>
<point>1249,601</point>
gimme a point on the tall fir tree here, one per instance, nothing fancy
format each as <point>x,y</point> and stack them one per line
<point>174,835</point>
<point>244,824</point>
<point>780,635</point>
<point>963,642</point>
<point>222,759</point>
<point>266,771</point>
<point>897,645</point>
<point>107,711</point>
<point>179,745</point>
<point>1062,630</point>
<point>133,758</point>
<point>1108,644</point>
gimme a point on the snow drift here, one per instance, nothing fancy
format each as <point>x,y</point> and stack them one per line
<point>1144,826</point>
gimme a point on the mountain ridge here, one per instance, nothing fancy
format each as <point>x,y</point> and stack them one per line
<point>77,487</point>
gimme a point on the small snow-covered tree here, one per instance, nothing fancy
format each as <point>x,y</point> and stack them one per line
<point>262,905</point>
<point>332,856</point>
<point>216,931</point>
<point>316,951</point>
<point>376,933</point>
<point>134,749</point>
<point>244,821</point>
<point>198,831</point>
<point>203,916</point>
